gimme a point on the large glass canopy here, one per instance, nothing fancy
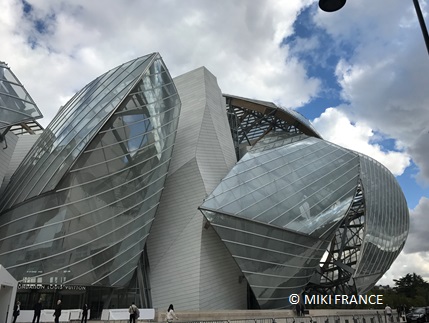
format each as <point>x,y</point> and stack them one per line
<point>16,105</point>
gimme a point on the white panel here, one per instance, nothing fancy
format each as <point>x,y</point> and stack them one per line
<point>215,151</point>
<point>174,242</point>
<point>221,284</point>
<point>191,92</point>
<point>7,148</point>
<point>189,266</point>
<point>217,108</point>
<point>23,146</point>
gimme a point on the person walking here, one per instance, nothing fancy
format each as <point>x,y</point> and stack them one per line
<point>57,312</point>
<point>37,311</point>
<point>301,309</point>
<point>388,312</point>
<point>170,314</point>
<point>134,313</point>
<point>84,313</point>
<point>298,309</point>
<point>16,310</point>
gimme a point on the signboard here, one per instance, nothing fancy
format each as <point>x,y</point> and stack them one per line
<point>50,286</point>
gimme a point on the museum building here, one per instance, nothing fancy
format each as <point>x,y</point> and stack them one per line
<point>157,190</point>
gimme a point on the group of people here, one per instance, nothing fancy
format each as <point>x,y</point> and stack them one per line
<point>38,311</point>
<point>135,313</point>
<point>401,312</point>
<point>133,310</point>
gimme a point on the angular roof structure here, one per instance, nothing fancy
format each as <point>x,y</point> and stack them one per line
<point>81,204</point>
<point>16,105</point>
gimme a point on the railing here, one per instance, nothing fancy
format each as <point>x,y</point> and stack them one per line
<point>359,318</point>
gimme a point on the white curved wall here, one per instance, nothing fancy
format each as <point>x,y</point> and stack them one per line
<point>189,266</point>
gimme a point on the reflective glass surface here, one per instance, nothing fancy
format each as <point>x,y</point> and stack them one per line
<point>278,208</point>
<point>16,105</point>
<point>276,262</point>
<point>92,227</point>
<point>386,223</point>
<point>302,189</point>
<point>305,185</point>
<point>69,132</point>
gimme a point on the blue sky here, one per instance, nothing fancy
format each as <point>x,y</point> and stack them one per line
<point>323,67</point>
<point>359,74</point>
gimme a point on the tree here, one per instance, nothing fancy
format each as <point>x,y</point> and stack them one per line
<point>411,285</point>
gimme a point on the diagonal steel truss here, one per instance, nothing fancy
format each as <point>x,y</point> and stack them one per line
<point>335,275</point>
<point>249,126</point>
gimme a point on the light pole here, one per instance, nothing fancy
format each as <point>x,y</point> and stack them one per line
<point>334,5</point>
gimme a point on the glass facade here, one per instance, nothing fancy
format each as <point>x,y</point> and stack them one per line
<point>275,262</point>
<point>16,105</point>
<point>305,186</point>
<point>341,216</point>
<point>387,223</point>
<point>93,181</point>
<point>295,213</point>
<point>301,187</point>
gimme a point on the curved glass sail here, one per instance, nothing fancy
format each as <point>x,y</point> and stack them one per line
<point>71,130</point>
<point>16,105</point>
<point>278,208</point>
<point>91,226</point>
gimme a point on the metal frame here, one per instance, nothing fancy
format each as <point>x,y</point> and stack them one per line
<point>251,121</point>
<point>336,271</point>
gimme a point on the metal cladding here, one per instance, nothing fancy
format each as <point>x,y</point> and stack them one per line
<point>96,201</point>
<point>79,208</point>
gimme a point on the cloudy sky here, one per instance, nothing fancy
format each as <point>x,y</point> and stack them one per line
<point>361,74</point>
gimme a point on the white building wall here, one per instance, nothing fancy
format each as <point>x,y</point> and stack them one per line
<point>22,145</point>
<point>189,266</point>
<point>7,148</point>
<point>8,288</point>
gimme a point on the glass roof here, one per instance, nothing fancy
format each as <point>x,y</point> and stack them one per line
<point>302,185</point>
<point>71,130</point>
<point>16,105</point>
<point>301,122</point>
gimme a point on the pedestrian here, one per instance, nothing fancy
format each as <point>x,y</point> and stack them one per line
<point>57,312</point>
<point>134,313</point>
<point>302,309</point>
<point>16,310</point>
<point>37,311</point>
<point>170,314</point>
<point>298,309</point>
<point>84,313</point>
<point>388,312</point>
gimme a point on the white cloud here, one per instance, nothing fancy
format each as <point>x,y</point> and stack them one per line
<point>238,41</point>
<point>384,78</point>
<point>414,258</point>
<point>418,238</point>
<point>407,264</point>
<point>335,127</point>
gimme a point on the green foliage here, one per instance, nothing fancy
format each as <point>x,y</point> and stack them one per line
<point>411,285</point>
<point>411,290</point>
